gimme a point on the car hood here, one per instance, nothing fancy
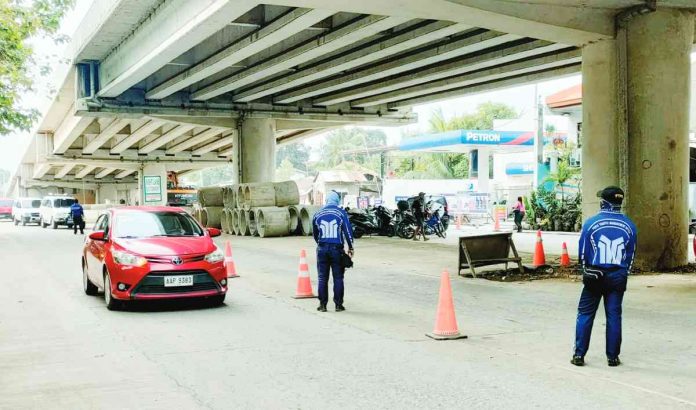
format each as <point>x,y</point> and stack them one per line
<point>167,246</point>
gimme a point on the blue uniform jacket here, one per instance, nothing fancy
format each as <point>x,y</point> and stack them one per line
<point>76,211</point>
<point>607,243</point>
<point>331,226</point>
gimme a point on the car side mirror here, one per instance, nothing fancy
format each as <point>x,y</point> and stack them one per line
<point>213,232</point>
<point>97,236</point>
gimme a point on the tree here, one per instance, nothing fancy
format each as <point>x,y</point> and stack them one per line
<point>21,20</point>
<point>297,153</point>
<point>285,171</point>
<point>563,174</point>
<point>352,144</point>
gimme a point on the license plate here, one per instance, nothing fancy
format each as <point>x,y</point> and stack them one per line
<point>178,280</point>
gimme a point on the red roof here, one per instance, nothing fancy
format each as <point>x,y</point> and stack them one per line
<point>565,98</point>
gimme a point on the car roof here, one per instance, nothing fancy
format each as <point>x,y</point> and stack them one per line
<point>32,198</point>
<point>124,209</point>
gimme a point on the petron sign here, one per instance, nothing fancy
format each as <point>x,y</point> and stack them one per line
<point>469,137</point>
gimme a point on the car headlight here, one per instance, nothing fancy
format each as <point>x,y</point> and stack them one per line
<point>215,256</point>
<point>125,258</point>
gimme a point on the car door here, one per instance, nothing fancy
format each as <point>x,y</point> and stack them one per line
<point>92,253</point>
<point>100,248</point>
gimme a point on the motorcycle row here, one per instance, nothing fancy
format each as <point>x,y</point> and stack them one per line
<point>400,222</point>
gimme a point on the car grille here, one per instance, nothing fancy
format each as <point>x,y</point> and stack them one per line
<point>184,259</point>
<point>34,214</point>
<point>153,283</point>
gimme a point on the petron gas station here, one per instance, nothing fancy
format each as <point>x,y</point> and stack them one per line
<point>160,87</point>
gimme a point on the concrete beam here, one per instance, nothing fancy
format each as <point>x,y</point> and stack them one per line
<point>199,138</point>
<point>226,153</point>
<point>105,135</point>
<point>481,88</point>
<point>465,45</point>
<point>174,27</point>
<point>124,173</point>
<point>64,171</point>
<point>86,170</point>
<point>573,24</point>
<point>69,130</point>
<point>40,170</point>
<point>61,184</point>
<point>133,155</point>
<point>297,125</point>
<point>402,41</point>
<point>278,30</point>
<point>449,69</point>
<point>493,74</point>
<point>104,172</point>
<point>142,132</point>
<point>359,29</point>
<point>222,142</point>
<point>297,136</point>
<point>166,138</point>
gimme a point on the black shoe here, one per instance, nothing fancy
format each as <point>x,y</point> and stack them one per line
<point>613,362</point>
<point>340,308</point>
<point>578,361</point>
<point>322,308</point>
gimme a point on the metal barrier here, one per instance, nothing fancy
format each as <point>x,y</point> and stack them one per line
<point>484,250</point>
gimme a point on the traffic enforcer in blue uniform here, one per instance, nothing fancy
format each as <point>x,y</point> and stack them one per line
<point>332,232</point>
<point>607,247</point>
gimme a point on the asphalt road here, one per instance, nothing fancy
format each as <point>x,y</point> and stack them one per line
<point>62,349</point>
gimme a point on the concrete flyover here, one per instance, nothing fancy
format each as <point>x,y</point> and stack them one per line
<point>162,85</point>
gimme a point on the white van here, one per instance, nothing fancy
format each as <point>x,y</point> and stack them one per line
<point>55,210</point>
<point>26,210</point>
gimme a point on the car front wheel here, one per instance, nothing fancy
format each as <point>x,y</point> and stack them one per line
<point>111,303</point>
<point>55,224</point>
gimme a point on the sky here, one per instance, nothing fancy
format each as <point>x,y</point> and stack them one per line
<point>522,98</point>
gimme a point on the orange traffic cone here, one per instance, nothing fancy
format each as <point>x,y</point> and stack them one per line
<point>446,321</point>
<point>459,222</point>
<point>496,226</point>
<point>304,284</point>
<point>539,257</point>
<point>229,262</point>
<point>565,259</point>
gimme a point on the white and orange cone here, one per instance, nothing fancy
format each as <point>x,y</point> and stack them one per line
<point>304,283</point>
<point>565,259</point>
<point>446,320</point>
<point>229,262</point>
<point>539,256</point>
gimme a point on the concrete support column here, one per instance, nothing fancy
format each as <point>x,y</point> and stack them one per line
<point>152,179</point>
<point>484,180</point>
<point>658,71</point>
<point>258,144</point>
<point>600,117</point>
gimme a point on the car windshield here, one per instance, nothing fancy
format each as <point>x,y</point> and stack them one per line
<point>148,224</point>
<point>5,202</point>
<point>31,203</point>
<point>63,202</point>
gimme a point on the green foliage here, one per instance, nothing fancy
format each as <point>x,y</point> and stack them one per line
<point>352,144</point>
<point>451,166</point>
<point>209,176</point>
<point>21,20</point>
<point>563,174</point>
<point>296,153</point>
<point>285,171</point>
<point>547,212</point>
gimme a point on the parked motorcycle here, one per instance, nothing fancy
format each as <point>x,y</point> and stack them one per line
<point>376,221</point>
<point>434,223</point>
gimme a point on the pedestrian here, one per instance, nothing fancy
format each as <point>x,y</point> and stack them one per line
<point>519,211</point>
<point>419,213</point>
<point>607,248</point>
<point>78,215</point>
<point>332,232</point>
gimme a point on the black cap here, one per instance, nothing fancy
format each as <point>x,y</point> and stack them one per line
<point>421,194</point>
<point>612,194</point>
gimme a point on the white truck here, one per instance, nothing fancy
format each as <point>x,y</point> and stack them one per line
<point>55,211</point>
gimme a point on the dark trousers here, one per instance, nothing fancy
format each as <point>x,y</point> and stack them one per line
<point>518,220</point>
<point>78,222</point>
<point>329,260</point>
<point>611,287</point>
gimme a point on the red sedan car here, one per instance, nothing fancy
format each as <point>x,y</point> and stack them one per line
<point>139,253</point>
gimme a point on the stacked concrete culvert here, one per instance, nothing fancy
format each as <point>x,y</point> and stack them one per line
<point>263,209</point>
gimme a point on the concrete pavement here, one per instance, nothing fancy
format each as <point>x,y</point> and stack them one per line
<point>263,349</point>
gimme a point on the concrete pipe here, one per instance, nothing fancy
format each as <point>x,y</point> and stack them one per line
<point>250,217</point>
<point>225,197</point>
<point>204,217</point>
<point>272,221</point>
<point>243,224</point>
<point>240,196</point>
<point>213,216</point>
<point>233,196</point>
<point>234,222</point>
<point>306,214</point>
<point>259,195</point>
<point>224,221</point>
<point>294,221</point>
<point>210,196</point>
<point>286,193</point>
